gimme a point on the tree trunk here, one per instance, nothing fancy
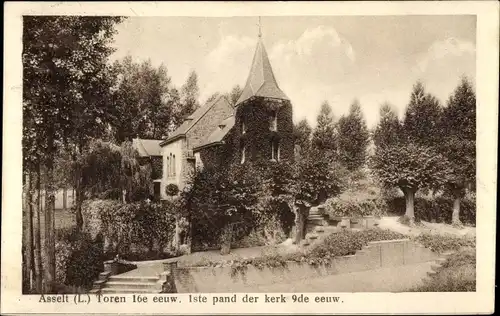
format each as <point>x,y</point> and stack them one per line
<point>38,245</point>
<point>410,208</point>
<point>300,223</point>
<point>78,197</point>
<point>189,236</point>
<point>30,260</point>
<point>177,236</point>
<point>455,216</point>
<point>227,235</point>
<point>65,199</point>
<point>49,223</point>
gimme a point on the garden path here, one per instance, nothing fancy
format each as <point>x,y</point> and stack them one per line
<point>391,223</point>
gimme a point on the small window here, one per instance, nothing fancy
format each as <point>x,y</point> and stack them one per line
<point>173,165</point>
<point>275,151</point>
<point>274,122</point>
<point>167,167</point>
<point>243,127</point>
<point>243,153</point>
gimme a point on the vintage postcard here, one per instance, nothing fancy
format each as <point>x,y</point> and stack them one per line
<point>249,157</point>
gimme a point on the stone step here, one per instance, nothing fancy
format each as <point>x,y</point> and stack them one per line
<point>127,291</point>
<point>318,222</point>
<point>132,285</point>
<point>319,229</point>
<point>305,243</point>
<point>125,278</point>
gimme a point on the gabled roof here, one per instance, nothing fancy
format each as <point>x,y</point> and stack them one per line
<point>147,147</point>
<point>261,81</point>
<point>191,120</point>
<point>217,135</point>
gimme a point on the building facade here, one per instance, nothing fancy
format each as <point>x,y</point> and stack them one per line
<point>258,128</point>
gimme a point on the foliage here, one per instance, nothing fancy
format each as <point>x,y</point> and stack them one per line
<point>459,136</point>
<point>389,129</point>
<point>324,137</point>
<point>422,118</point>
<point>410,167</point>
<point>353,138</point>
<point>145,104</point>
<point>337,207</point>
<point>457,274</point>
<point>139,227</point>
<point>79,258</point>
<point>234,95</point>
<point>348,242</point>
<point>445,243</point>
<point>303,134</point>
<point>189,96</point>
<point>338,244</point>
<point>318,177</point>
<point>435,209</point>
<point>172,189</point>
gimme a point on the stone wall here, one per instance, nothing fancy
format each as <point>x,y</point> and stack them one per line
<point>379,254</point>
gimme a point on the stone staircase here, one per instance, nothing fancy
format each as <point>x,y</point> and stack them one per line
<point>318,226</point>
<point>135,281</point>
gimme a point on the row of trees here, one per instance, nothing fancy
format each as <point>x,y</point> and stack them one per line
<point>344,140</point>
<point>433,148</point>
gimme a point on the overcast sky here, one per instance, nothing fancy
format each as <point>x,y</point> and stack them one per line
<point>338,59</point>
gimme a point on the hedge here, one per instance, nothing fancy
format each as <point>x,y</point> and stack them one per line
<point>445,242</point>
<point>79,258</point>
<point>437,209</point>
<point>135,231</point>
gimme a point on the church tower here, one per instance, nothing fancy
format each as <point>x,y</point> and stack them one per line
<point>263,115</point>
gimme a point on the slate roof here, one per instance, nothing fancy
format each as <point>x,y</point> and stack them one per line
<point>217,135</point>
<point>261,81</point>
<point>147,147</point>
<point>191,120</point>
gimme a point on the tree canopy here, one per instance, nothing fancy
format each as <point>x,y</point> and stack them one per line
<point>325,135</point>
<point>353,138</point>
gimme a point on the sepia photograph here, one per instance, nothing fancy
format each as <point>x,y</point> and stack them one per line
<point>248,154</point>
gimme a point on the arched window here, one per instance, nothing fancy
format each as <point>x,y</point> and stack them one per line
<point>170,166</point>
<point>243,126</point>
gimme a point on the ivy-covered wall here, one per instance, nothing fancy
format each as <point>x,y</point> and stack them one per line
<point>257,114</point>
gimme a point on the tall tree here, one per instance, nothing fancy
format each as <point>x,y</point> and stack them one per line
<point>388,131</point>
<point>459,142</point>
<point>411,162</point>
<point>422,117</point>
<point>144,101</point>
<point>65,91</point>
<point>303,132</point>
<point>353,138</point>
<point>190,94</point>
<point>325,135</point>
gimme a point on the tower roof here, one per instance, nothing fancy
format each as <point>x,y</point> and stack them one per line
<point>261,81</point>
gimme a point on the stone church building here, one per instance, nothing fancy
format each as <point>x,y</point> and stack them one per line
<point>258,127</point>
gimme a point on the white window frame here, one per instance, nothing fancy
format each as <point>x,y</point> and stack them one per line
<point>243,154</point>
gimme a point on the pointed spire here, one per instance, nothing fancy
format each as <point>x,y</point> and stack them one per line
<point>260,29</point>
<point>261,81</point>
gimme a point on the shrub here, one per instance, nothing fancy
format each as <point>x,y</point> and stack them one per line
<point>131,229</point>
<point>79,258</point>
<point>457,274</point>
<point>445,242</point>
<point>338,207</point>
<point>348,242</point>
<point>171,189</point>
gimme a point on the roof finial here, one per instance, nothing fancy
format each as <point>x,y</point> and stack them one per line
<point>260,30</point>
